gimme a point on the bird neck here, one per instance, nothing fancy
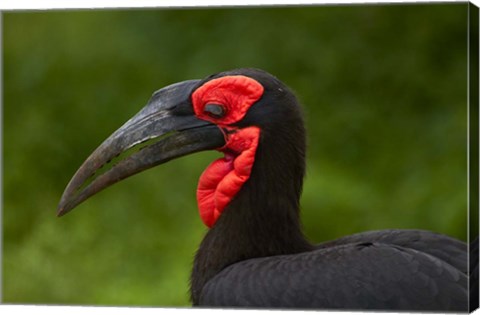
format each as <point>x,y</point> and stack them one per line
<point>263,218</point>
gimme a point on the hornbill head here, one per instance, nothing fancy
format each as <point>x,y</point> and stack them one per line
<point>236,112</point>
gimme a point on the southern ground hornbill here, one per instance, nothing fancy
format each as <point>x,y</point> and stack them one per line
<point>255,254</point>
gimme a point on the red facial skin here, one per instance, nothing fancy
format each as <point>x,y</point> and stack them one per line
<point>224,177</point>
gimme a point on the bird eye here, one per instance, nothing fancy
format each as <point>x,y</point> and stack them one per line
<point>214,110</point>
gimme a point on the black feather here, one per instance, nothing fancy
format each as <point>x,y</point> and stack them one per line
<point>257,256</point>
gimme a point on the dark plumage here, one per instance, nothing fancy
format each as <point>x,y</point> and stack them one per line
<point>255,254</point>
<point>383,270</point>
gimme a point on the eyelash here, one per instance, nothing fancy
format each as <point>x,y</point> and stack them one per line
<point>214,110</point>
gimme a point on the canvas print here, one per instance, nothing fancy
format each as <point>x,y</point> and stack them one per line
<point>299,157</point>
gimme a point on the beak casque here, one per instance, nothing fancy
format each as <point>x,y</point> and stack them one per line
<point>167,126</point>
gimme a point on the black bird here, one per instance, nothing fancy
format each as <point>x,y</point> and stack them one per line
<point>255,254</point>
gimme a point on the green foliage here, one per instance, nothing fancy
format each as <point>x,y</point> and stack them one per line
<point>384,91</point>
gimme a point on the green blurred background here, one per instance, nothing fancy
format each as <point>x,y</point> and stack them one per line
<point>384,91</point>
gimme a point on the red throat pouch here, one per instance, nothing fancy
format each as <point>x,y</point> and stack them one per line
<point>224,177</point>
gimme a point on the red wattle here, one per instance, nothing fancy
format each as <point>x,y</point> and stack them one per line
<point>224,177</point>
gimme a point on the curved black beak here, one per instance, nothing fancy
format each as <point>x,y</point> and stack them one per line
<point>166,128</point>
